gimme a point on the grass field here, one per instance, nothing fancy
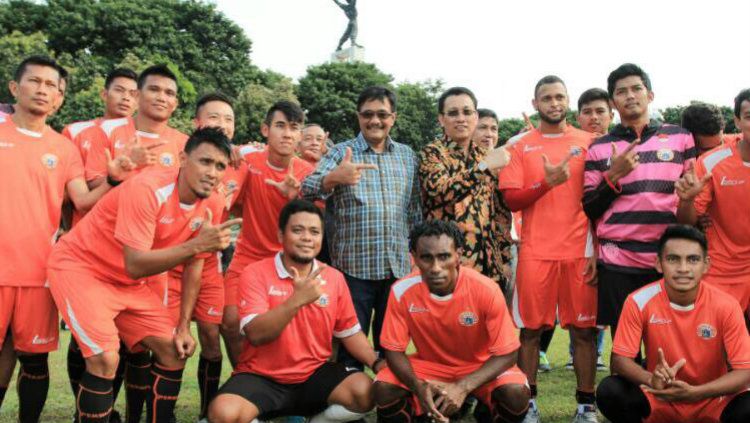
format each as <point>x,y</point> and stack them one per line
<point>556,388</point>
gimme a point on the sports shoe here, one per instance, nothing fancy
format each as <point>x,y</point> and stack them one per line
<point>569,364</point>
<point>600,366</point>
<point>587,415</point>
<point>544,366</point>
<point>532,416</point>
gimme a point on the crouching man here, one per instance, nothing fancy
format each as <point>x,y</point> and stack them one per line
<point>291,306</point>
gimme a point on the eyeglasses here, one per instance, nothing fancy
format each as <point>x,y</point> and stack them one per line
<point>455,113</point>
<point>369,114</point>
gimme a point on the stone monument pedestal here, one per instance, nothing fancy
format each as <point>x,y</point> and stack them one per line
<point>351,54</point>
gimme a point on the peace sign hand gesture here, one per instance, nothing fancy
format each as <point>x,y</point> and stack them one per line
<point>689,185</point>
<point>289,186</point>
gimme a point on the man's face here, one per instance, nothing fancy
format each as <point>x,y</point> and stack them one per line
<point>157,99</point>
<point>120,99</point>
<point>203,168</point>
<point>216,114</point>
<point>312,144</point>
<point>595,117</point>
<point>302,237</point>
<point>631,97</point>
<point>551,102</point>
<point>39,91</point>
<point>282,136</point>
<point>376,118</point>
<point>459,117</point>
<point>486,133</point>
<point>683,263</point>
<point>743,122</point>
<point>438,261</point>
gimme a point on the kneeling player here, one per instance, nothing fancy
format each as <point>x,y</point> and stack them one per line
<point>693,333</point>
<point>291,306</point>
<point>460,326</point>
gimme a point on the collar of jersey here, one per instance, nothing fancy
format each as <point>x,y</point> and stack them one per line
<point>281,270</point>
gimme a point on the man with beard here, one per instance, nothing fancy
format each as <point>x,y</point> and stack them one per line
<point>544,180</point>
<point>291,307</point>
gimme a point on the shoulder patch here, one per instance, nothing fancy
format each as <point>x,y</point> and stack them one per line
<point>713,158</point>
<point>76,128</point>
<point>111,124</point>
<point>400,287</point>
<point>643,296</point>
<point>163,193</point>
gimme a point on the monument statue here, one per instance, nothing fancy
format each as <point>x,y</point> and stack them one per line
<point>350,9</point>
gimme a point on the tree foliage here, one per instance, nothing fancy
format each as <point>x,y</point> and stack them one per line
<point>416,122</point>
<point>255,100</point>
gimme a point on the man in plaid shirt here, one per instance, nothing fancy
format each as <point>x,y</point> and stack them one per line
<point>374,200</point>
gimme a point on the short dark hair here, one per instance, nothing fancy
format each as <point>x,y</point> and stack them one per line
<point>687,232</point>
<point>160,69</point>
<point>450,92</point>
<point>376,92</point>
<point>298,206</point>
<point>484,113</point>
<point>549,79</point>
<point>291,111</point>
<point>593,94</point>
<point>214,96</point>
<point>702,119</point>
<point>39,61</point>
<point>119,73</point>
<point>436,228</point>
<point>210,135</point>
<point>624,71</point>
<point>743,96</point>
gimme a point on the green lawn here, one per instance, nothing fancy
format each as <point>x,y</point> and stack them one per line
<point>556,389</point>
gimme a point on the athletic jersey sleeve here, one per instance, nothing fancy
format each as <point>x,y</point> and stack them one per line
<point>629,333</point>
<point>690,153</point>
<point>346,318</point>
<point>96,160</point>
<point>136,216</point>
<point>511,177</point>
<point>252,297</point>
<point>502,334</point>
<point>75,164</point>
<point>395,334</point>
<point>703,199</point>
<point>736,338</point>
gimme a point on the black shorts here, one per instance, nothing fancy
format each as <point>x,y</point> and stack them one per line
<point>274,399</point>
<point>613,289</point>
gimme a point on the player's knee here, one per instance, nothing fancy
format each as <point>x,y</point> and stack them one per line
<point>208,334</point>
<point>615,396</point>
<point>165,352</point>
<point>386,393</point>
<point>361,394</point>
<point>103,365</point>
<point>531,336</point>
<point>513,398</point>
<point>230,326</point>
<point>583,336</point>
<point>224,409</point>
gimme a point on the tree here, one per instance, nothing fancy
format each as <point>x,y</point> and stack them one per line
<point>255,100</point>
<point>12,47</point>
<point>417,123</point>
<point>329,94</point>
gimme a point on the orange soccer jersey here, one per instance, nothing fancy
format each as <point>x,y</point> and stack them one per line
<point>37,167</point>
<point>461,330</point>
<point>143,213</point>
<point>555,226</point>
<point>83,134</point>
<point>305,343</point>
<point>710,335</point>
<point>117,135</point>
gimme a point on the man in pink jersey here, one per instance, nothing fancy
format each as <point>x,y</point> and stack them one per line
<point>697,347</point>
<point>272,178</point>
<point>463,335</point>
<point>41,168</point>
<point>98,272</point>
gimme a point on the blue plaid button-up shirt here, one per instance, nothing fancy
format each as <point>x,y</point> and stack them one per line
<point>374,217</point>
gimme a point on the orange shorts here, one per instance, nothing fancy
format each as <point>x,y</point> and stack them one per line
<point>439,372</point>
<point>209,306</point>
<point>544,287</point>
<point>232,278</point>
<point>100,314</point>
<point>30,314</point>
<point>737,287</point>
<point>706,411</point>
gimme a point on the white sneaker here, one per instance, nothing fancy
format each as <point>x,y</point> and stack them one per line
<point>532,416</point>
<point>587,415</point>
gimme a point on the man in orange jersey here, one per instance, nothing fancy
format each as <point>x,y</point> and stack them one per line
<point>544,180</point>
<point>272,178</point>
<point>291,307</point>
<point>697,346</point>
<point>720,187</point>
<point>706,123</point>
<point>49,168</point>
<point>97,272</point>
<point>464,338</point>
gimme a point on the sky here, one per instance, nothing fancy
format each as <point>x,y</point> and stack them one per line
<point>692,50</point>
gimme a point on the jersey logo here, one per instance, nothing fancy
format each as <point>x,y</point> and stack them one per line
<point>468,318</point>
<point>49,160</point>
<point>166,220</point>
<point>416,309</point>
<point>213,312</point>
<point>166,159</point>
<point>41,341</point>
<point>195,223</point>
<point>731,182</point>
<point>231,184</point>
<point>655,320</point>
<point>576,151</point>
<point>610,248</point>
<point>706,331</point>
<point>663,137</point>
<point>528,149</point>
<point>665,154</point>
<point>119,145</point>
<point>323,301</point>
<point>86,145</point>
<point>584,318</point>
<point>5,144</point>
<point>276,292</point>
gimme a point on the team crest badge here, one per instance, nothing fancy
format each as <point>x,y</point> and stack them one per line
<point>706,331</point>
<point>665,154</point>
<point>231,184</point>
<point>166,159</point>
<point>50,161</point>
<point>323,301</point>
<point>195,223</point>
<point>576,151</point>
<point>467,318</point>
